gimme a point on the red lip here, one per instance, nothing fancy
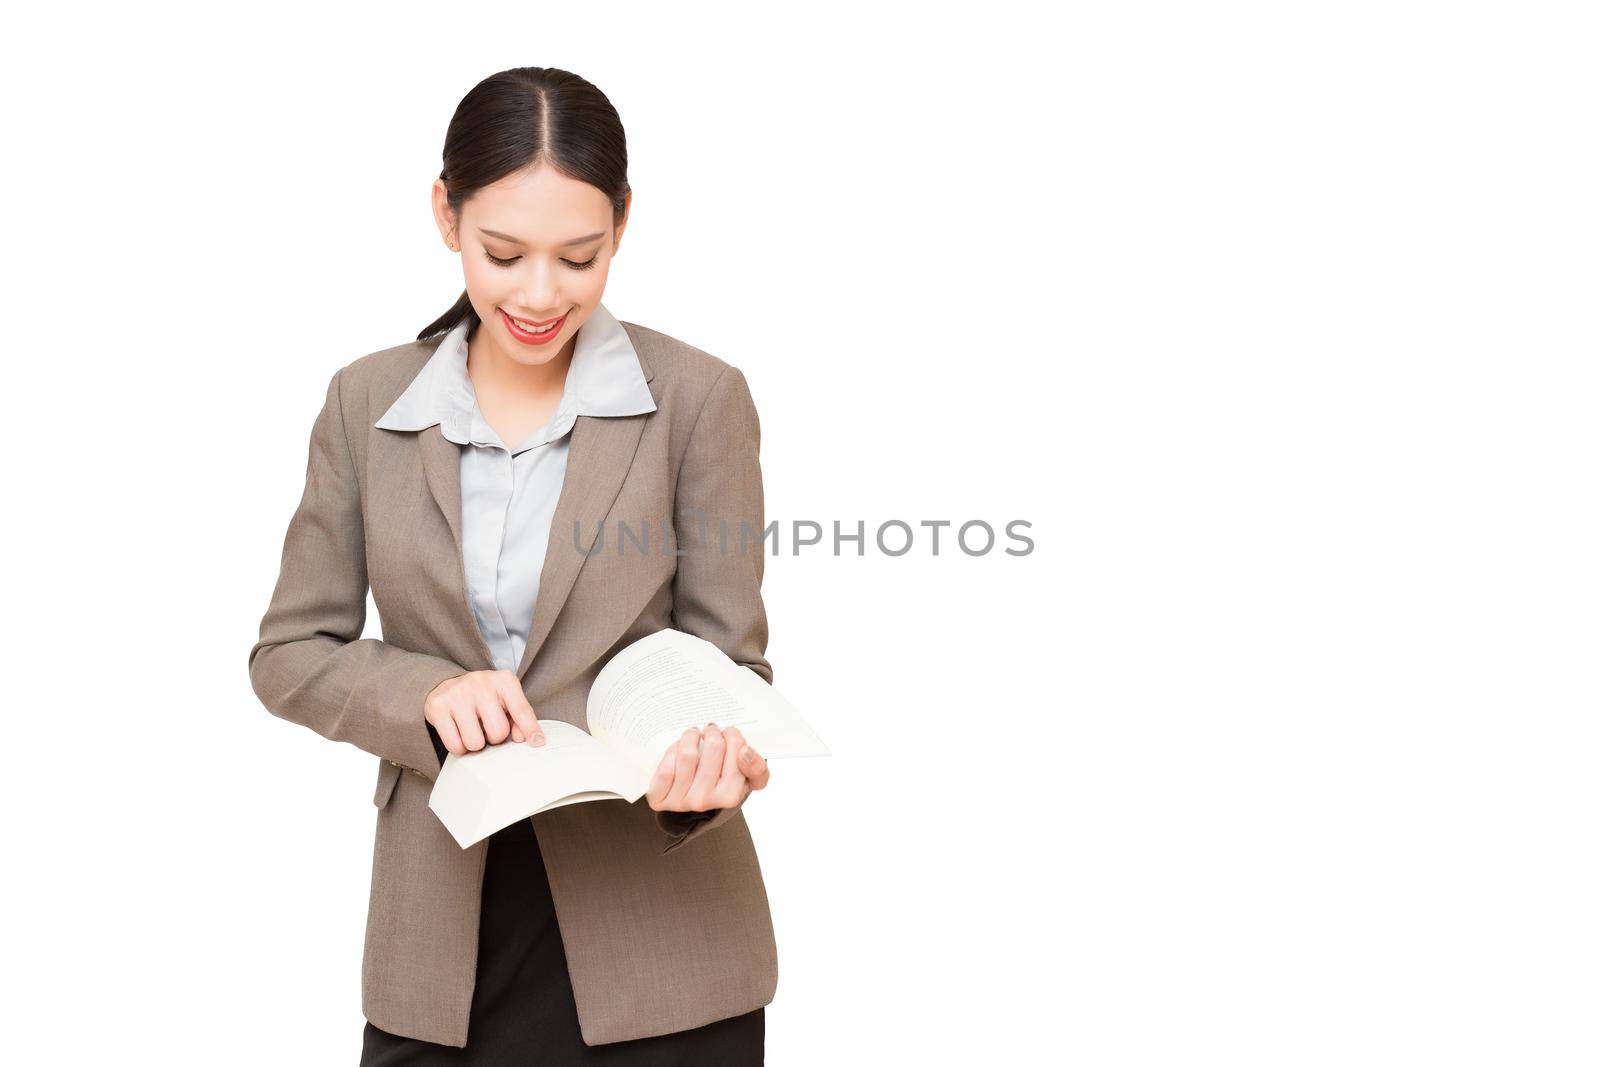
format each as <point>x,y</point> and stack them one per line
<point>519,334</point>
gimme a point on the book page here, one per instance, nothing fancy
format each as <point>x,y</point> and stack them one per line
<point>659,686</point>
<point>476,794</point>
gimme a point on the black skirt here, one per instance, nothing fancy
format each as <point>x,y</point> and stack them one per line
<point>523,1012</point>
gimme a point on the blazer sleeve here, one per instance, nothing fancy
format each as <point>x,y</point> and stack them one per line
<point>716,593</point>
<point>311,666</point>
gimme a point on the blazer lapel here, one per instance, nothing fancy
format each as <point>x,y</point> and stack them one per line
<point>441,464</point>
<point>598,457</point>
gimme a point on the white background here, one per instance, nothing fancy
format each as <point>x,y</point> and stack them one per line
<point>1277,322</point>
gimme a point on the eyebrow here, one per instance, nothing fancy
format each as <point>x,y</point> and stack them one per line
<point>564,244</point>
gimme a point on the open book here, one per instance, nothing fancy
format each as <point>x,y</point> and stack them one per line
<point>640,703</point>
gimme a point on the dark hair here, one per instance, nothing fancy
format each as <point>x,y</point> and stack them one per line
<point>524,116</point>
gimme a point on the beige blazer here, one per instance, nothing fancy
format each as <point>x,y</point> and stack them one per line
<point>664,918</point>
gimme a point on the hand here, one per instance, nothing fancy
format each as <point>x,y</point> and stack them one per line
<point>457,706</point>
<point>705,770</point>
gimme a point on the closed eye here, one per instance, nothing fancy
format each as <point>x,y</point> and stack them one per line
<point>497,261</point>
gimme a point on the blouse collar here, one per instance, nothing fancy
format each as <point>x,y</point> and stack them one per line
<point>605,379</point>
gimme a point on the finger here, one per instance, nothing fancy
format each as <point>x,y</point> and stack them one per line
<point>451,737</point>
<point>496,723</point>
<point>516,704</point>
<point>731,787</point>
<point>736,743</point>
<point>748,762</point>
<point>703,790</point>
<point>687,753</point>
<point>755,768</point>
<point>661,781</point>
<point>471,732</point>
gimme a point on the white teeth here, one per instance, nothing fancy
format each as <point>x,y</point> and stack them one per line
<point>526,327</point>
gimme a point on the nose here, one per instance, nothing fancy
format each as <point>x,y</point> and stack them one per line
<point>538,292</point>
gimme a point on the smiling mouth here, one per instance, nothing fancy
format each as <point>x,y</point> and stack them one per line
<point>531,324</point>
<point>533,332</point>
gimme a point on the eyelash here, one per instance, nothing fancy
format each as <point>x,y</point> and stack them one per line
<point>497,261</point>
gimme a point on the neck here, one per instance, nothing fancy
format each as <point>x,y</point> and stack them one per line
<point>491,369</point>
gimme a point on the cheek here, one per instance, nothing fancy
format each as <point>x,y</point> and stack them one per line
<point>590,284</point>
<point>480,279</point>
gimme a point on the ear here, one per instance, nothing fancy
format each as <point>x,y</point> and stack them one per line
<point>616,237</point>
<point>444,216</point>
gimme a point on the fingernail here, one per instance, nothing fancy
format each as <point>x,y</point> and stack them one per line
<point>748,755</point>
<point>538,739</point>
<point>711,726</point>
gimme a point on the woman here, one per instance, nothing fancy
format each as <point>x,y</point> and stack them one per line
<point>467,479</point>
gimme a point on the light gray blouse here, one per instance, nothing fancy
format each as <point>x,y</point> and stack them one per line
<point>508,495</point>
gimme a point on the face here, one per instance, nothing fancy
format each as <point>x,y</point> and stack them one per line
<point>535,246</point>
